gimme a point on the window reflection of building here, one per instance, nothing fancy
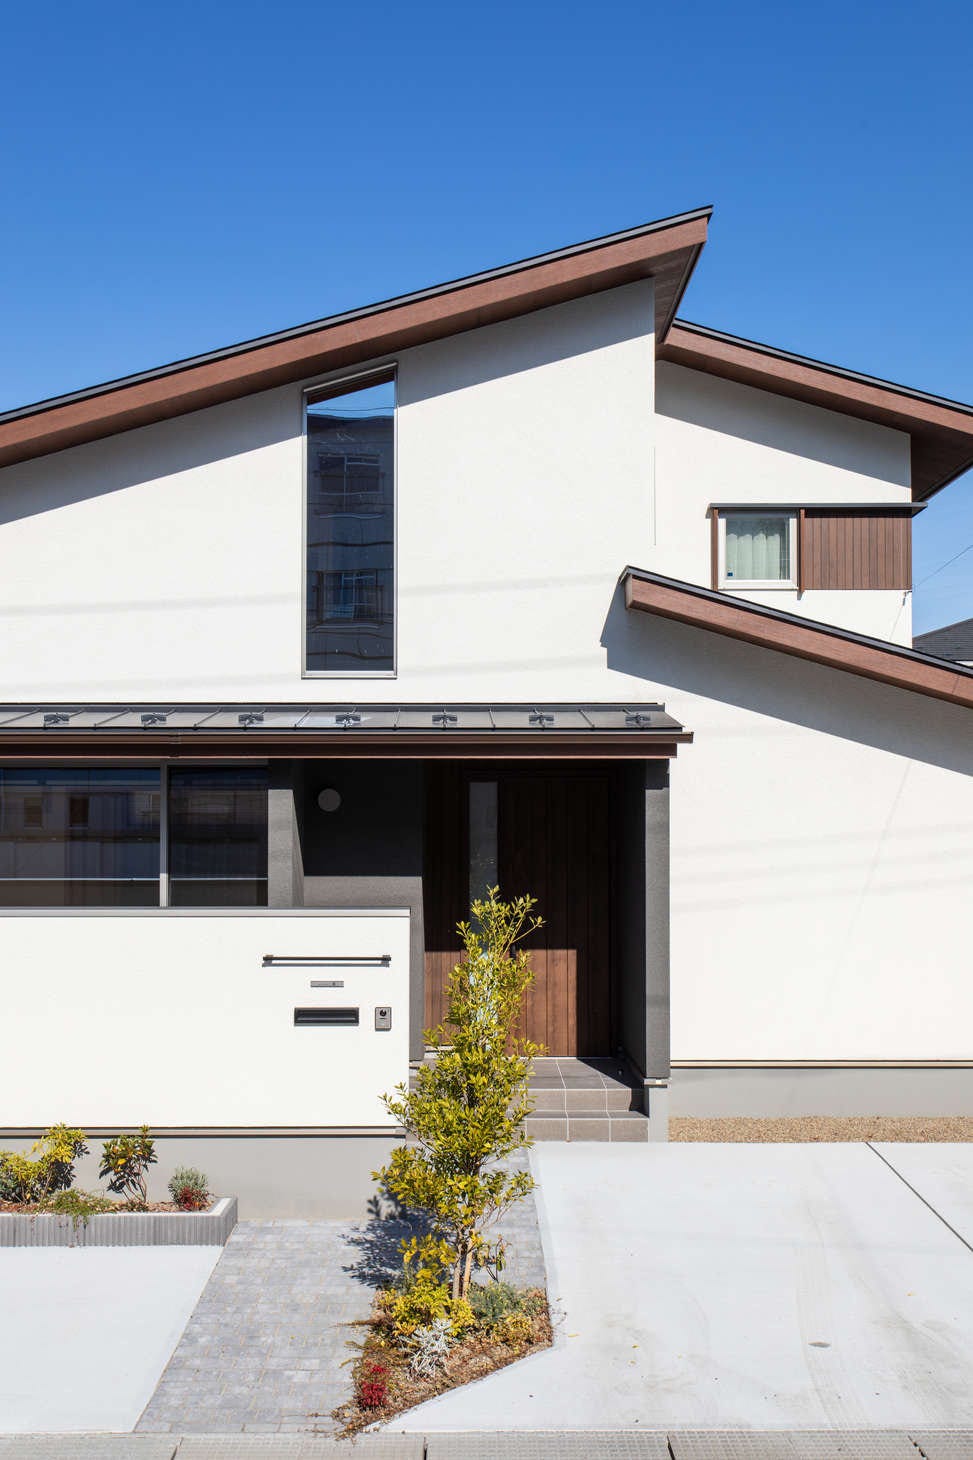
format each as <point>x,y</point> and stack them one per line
<point>350,531</point>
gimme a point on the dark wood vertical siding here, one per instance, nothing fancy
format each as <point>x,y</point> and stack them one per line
<point>555,841</point>
<point>856,549</point>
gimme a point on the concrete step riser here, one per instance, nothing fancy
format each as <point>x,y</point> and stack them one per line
<point>567,1102</point>
<point>629,1126</point>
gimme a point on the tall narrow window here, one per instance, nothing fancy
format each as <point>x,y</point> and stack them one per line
<point>77,837</point>
<point>217,837</point>
<point>483,838</point>
<point>350,609</point>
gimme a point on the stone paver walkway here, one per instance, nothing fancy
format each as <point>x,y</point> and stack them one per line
<point>264,1348</point>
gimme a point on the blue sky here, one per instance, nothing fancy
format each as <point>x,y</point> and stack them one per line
<point>178,177</point>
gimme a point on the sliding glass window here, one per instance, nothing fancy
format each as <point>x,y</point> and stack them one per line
<point>217,837</point>
<point>96,837</point>
<point>79,838</point>
<point>350,569</point>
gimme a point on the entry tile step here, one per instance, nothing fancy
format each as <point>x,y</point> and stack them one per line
<point>569,1100</point>
<point>791,1445</point>
<point>589,1125</point>
<point>632,1125</point>
<point>547,1127</point>
<point>549,1445</point>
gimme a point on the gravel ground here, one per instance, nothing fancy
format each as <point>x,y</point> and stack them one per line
<point>823,1128</point>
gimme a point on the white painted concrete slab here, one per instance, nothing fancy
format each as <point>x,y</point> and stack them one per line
<point>86,1332</point>
<point>942,1173</point>
<point>736,1286</point>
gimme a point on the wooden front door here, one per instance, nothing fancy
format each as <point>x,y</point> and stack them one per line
<point>553,839</point>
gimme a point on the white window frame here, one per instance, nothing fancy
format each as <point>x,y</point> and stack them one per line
<point>788,584</point>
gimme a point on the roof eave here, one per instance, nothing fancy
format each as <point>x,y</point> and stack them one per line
<point>665,250</point>
<point>803,638</point>
<point>941,430</point>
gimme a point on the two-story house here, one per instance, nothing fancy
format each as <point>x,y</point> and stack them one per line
<point>516,580</point>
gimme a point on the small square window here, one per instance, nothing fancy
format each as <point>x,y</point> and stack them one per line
<point>758,549</point>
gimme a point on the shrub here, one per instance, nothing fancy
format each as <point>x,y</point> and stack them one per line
<point>48,1168</point>
<point>424,1296</point>
<point>467,1110</point>
<point>9,1186</point>
<point>124,1161</point>
<point>373,1384</point>
<point>430,1348</point>
<point>491,1302</point>
<point>515,1328</point>
<point>188,1189</point>
<point>421,1304</point>
<point>533,1302</point>
<point>80,1205</point>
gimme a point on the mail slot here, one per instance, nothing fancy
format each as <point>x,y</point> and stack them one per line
<point>326,1016</point>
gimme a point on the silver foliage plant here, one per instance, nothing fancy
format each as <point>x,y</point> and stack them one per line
<point>430,1348</point>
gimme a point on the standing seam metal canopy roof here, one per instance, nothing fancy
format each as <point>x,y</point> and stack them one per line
<point>342,719</point>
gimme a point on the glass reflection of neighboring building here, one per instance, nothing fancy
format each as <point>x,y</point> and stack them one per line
<point>350,531</point>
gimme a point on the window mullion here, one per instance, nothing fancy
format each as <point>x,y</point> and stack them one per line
<point>164,835</point>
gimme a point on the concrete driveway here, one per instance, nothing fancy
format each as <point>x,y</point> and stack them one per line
<point>87,1331</point>
<point>739,1286</point>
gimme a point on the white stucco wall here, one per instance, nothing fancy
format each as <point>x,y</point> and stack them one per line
<point>822,856</point>
<point>166,563</point>
<point>717,441</point>
<point>173,1019</point>
<point>821,824</point>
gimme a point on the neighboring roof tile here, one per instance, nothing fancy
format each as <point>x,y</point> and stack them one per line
<point>953,641</point>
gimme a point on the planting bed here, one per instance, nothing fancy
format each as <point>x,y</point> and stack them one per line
<point>163,1226</point>
<point>385,1385</point>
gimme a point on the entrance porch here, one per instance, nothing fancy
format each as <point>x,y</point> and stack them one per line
<point>588,838</point>
<point>266,898</point>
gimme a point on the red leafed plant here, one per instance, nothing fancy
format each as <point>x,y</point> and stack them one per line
<point>373,1388</point>
<point>188,1189</point>
<point>189,1199</point>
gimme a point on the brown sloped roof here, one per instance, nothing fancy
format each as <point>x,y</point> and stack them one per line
<point>665,251</point>
<point>789,633</point>
<point>941,430</point>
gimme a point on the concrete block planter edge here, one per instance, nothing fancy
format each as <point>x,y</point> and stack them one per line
<point>124,1229</point>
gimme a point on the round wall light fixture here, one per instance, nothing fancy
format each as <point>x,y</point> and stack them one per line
<point>329,799</point>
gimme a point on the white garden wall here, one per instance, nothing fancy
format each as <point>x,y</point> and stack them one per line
<point>171,1018</point>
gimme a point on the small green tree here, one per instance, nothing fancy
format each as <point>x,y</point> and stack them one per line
<point>466,1113</point>
<point>125,1160</point>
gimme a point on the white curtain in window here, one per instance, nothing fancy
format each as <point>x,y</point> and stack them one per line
<point>758,548</point>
